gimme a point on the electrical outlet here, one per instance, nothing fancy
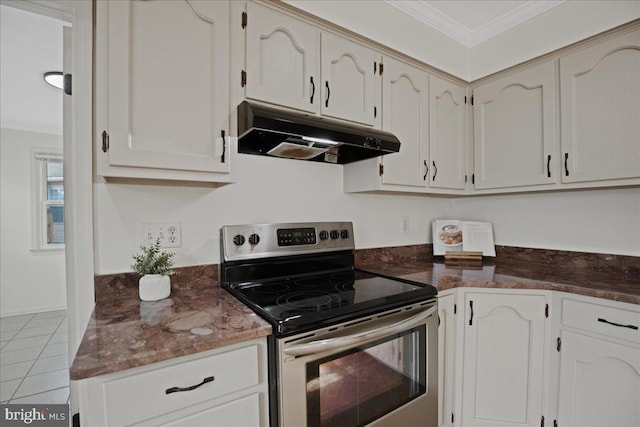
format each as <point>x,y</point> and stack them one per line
<point>405,224</point>
<point>169,233</point>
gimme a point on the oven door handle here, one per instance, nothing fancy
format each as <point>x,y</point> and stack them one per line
<point>318,346</point>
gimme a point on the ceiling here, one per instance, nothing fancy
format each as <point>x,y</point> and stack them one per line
<point>472,22</point>
<point>30,45</point>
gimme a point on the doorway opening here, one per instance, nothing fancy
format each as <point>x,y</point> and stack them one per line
<point>33,307</point>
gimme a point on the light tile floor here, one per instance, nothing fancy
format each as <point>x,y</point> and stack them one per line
<point>34,359</point>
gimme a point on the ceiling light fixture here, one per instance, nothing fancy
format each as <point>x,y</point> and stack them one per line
<point>54,78</point>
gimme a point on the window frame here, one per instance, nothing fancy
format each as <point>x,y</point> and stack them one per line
<point>39,238</point>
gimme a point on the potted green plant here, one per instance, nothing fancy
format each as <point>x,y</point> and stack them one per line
<point>154,266</point>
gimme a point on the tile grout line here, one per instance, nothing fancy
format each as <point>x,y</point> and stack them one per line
<point>36,359</point>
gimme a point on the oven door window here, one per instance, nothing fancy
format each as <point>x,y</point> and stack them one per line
<point>357,386</point>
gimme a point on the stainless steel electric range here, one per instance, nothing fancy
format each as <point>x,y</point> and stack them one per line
<point>350,348</point>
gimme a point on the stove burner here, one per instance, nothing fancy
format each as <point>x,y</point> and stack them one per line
<point>309,301</point>
<point>276,288</point>
<point>313,281</point>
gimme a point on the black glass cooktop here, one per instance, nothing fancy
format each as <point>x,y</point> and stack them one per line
<point>301,303</point>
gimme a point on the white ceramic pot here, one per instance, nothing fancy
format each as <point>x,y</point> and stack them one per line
<point>154,287</point>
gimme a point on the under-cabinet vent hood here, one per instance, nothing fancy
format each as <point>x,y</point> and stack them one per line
<point>269,131</point>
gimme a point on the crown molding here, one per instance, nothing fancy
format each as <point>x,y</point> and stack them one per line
<point>433,17</point>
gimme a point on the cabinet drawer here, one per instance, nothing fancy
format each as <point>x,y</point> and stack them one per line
<point>144,395</point>
<point>601,319</point>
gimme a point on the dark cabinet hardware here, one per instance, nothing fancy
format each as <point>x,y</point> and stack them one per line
<point>313,89</point>
<point>105,141</point>
<point>549,166</point>
<point>375,67</point>
<point>375,111</point>
<point>566,166</point>
<point>224,146</point>
<point>435,170</point>
<point>243,78</point>
<point>438,320</point>
<point>542,421</point>
<point>193,387</point>
<point>426,171</point>
<point>326,101</point>
<point>634,327</point>
<point>381,169</point>
<point>381,68</point>
<point>546,310</point>
<point>555,423</point>
<point>471,318</point>
<point>244,20</point>
<point>558,344</point>
<point>473,178</point>
<point>68,84</point>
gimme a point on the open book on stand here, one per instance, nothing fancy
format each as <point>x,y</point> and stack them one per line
<point>463,236</point>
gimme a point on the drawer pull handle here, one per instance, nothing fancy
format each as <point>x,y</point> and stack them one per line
<point>471,318</point>
<point>193,387</point>
<point>634,327</point>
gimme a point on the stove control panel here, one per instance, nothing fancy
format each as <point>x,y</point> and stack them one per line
<point>242,242</point>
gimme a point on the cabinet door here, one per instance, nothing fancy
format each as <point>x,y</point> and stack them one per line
<point>600,90</point>
<point>503,360</point>
<point>168,95</point>
<point>514,129</point>
<point>447,128</point>
<point>599,383</point>
<point>446,358</point>
<point>405,103</point>
<point>281,59</point>
<point>348,76</point>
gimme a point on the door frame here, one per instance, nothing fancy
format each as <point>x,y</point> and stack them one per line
<point>78,167</point>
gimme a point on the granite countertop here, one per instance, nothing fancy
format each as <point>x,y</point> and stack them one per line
<point>127,333</point>
<point>603,276</point>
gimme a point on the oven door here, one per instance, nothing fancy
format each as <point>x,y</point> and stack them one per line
<point>381,370</point>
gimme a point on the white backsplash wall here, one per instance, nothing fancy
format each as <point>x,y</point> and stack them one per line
<point>268,190</point>
<point>601,221</point>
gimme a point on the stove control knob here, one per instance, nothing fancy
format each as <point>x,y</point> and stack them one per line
<point>344,234</point>
<point>254,239</point>
<point>335,234</point>
<point>238,239</point>
<point>324,235</point>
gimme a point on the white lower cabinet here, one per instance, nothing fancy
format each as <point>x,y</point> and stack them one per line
<point>446,358</point>
<point>599,350</point>
<point>223,387</point>
<point>504,354</point>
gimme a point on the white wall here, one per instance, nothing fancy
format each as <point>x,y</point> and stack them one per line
<point>268,190</point>
<point>601,221</point>
<point>29,281</point>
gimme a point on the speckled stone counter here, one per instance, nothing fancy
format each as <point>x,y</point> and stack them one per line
<point>611,277</point>
<point>126,333</point>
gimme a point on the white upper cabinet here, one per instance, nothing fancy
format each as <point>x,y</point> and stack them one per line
<point>348,75</point>
<point>162,86</point>
<point>281,59</point>
<point>504,345</point>
<point>405,113</point>
<point>600,94</point>
<point>448,134</point>
<point>295,65</point>
<point>515,131</point>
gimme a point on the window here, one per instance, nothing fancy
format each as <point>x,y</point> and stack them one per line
<point>48,190</point>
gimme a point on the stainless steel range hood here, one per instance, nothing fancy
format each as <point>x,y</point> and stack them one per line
<point>269,131</point>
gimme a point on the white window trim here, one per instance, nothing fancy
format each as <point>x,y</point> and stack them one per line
<point>39,202</point>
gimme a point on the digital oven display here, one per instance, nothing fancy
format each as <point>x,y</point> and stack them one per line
<point>296,236</point>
